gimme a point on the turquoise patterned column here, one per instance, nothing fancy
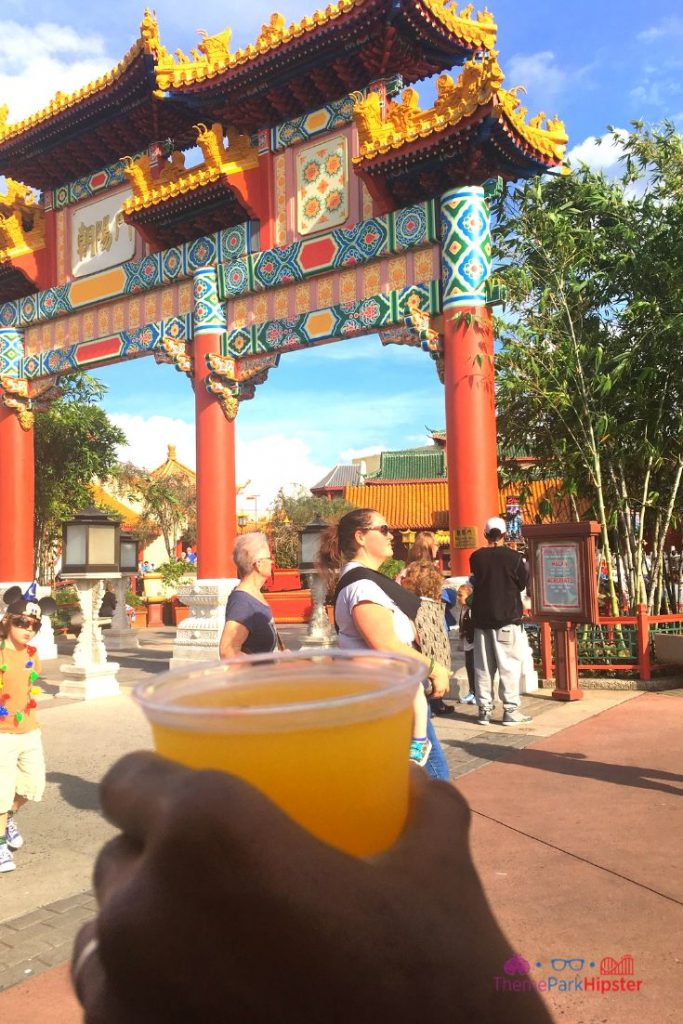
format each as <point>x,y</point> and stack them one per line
<point>11,352</point>
<point>209,314</point>
<point>465,247</point>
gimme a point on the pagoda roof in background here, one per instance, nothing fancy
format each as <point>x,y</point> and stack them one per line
<point>103,499</point>
<point>153,94</point>
<point>437,436</point>
<point>337,479</point>
<point>428,463</point>
<point>173,468</point>
<point>423,505</point>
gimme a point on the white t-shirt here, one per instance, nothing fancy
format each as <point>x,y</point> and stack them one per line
<point>366,590</point>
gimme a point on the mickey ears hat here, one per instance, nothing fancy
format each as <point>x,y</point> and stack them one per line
<point>26,603</point>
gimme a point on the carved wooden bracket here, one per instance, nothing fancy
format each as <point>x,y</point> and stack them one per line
<point>174,352</point>
<point>235,380</point>
<point>25,397</point>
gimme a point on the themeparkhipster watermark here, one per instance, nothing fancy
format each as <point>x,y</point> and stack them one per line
<point>569,974</point>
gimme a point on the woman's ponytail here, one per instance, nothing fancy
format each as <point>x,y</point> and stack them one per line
<point>338,542</point>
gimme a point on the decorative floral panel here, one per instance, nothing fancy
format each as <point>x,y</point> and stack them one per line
<point>322,186</point>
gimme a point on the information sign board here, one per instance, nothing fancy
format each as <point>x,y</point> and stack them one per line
<point>563,574</point>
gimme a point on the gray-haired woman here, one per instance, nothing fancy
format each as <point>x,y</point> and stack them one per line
<point>249,626</point>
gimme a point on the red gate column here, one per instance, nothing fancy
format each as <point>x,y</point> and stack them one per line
<point>216,489</point>
<point>16,471</point>
<point>472,456</point>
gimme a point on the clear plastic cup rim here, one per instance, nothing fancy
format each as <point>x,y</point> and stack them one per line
<point>395,691</point>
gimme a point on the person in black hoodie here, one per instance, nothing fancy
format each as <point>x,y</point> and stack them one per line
<point>500,575</point>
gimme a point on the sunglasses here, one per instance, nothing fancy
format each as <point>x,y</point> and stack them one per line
<point>23,622</point>
<point>384,529</point>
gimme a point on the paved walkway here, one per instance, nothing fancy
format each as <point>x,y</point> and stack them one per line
<point>573,811</point>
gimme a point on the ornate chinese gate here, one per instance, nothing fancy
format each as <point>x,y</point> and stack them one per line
<point>325,207</point>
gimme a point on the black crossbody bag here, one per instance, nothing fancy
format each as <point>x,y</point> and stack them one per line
<point>408,602</point>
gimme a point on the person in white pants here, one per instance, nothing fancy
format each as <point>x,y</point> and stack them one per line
<point>500,575</point>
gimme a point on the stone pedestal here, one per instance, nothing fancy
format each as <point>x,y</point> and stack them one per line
<point>45,638</point>
<point>199,634</point>
<point>120,634</point>
<point>320,632</point>
<point>89,674</point>
<point>529,681</point>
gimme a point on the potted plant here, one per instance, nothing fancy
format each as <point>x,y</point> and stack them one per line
<point>138,613</point>
<point>178,610</point>
<point>172,575</point>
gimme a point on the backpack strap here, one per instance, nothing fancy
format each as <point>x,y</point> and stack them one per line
<point>406,601</point>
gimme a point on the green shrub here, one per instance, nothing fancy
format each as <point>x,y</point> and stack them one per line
<point>392,567</point>
<point>173,572</point>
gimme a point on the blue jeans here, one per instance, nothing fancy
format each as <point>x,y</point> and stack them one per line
<point>436,765</point>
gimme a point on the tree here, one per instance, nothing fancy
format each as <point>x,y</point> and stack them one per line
<point>291,513</point>
<point>588,378</point>
<point>168,505</point>
<point>75,441</point>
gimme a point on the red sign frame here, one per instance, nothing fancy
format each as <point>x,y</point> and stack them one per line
<point>563,573</point>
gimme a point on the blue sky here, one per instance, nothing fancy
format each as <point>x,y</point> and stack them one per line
<point>592,63</point>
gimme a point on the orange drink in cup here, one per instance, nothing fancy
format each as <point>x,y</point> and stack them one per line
<point>325,735</point>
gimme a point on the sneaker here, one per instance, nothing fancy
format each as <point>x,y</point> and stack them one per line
<point>14,838</point>
<point>469,698</point>
<point>442,709</point>
<point>484,716</point>
<point>6,858</point>
<point>515,718</point>
<point>420,751</point>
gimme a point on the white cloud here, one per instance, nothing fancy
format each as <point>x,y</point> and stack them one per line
<point>273,462</point>
<point>349,454</point>
<point>44,39</point>
<point>263,464</point>
<point>665,29</point>
<point>149,437</point>
<point>537,72</point>
<point>363,348</point>
<point>601,154</point>
<point>658,88</point>
<point>41,60</point>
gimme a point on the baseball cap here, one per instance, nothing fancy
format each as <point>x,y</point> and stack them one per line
<point>495,523</point>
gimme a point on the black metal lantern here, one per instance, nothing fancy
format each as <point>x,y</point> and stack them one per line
<point>310,544</point>
<point>128,551</point>
<point>242,520</point>
<point>90,546</point>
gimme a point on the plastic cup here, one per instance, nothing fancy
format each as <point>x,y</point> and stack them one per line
<point>325,735</point>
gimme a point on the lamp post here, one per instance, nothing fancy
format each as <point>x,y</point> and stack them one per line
<point>120,634</point>
<point>254,498</point>
<point>242,520</point>
<point>320,633</point>
<point>90,555</point>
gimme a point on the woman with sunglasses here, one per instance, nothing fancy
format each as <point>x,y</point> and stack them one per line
<point>249,626</point>
<point>22,762</point>
<point>373,612</point>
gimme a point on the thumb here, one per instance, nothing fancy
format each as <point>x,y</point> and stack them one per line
<point>435,840</point>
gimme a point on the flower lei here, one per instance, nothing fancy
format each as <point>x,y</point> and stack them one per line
<point>32,690</point>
